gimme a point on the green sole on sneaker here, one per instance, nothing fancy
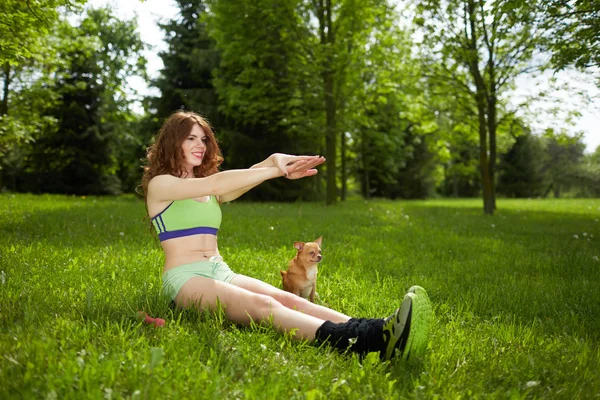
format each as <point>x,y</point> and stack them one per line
<point>421,320</point>
<point>407,331</point>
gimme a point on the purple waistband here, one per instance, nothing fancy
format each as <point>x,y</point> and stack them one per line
<point>187,232</point>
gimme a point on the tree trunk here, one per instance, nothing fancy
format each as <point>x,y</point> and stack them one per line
<point>492,132</point>
<point>330,140</point>
<point>455,186</point>
<point>5,90</point>
<point>480,98</point>
<point>491,110</point>
<point>4,105</point>
<point>366,187</point>
<point>343,166</point>
<point>486,183</point>
<point>327,39</point>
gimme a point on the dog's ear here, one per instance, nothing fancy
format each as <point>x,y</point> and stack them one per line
<point>299,245</point>
<point>318,241</point>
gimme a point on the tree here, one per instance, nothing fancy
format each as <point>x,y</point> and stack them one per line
<point>186,80</point>
<point>459,138</point>
<point>562,166</point>
<point>310,77</point>
<point>24,30</point>
<point>392,133</point>
<point>591,173</point>
<point>343,31</point>
<point>24,22</point>
<point>265,83</point>
<point>80,154</point>
<point>481,47</point>
<point>375,89</point>
<point>521,168</point>
<point>26,99</point>
<point>572,27</point>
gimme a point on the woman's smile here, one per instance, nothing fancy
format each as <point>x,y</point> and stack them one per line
<point>194,147</point>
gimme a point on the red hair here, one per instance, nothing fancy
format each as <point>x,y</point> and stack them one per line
<point>165,155</point>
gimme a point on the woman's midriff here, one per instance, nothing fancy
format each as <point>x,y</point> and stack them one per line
<point>189,249</point>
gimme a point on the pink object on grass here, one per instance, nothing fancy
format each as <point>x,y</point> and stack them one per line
<point>151,321</point>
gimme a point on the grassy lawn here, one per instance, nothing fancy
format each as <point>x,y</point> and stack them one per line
<point>516,300</point>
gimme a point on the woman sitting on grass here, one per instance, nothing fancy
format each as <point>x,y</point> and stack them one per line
<point>183,189</point>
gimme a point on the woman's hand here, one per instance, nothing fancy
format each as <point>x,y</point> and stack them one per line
<point>303,168</point>
<point>281,161</point>
<point>293,167</point>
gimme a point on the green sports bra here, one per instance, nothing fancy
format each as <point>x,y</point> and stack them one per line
<point>188,217</point>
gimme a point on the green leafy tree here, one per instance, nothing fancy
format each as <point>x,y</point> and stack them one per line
<point>564,156</point>
<point>481,47</point>
<point>521,168</point>
<point>460,165</point>
<point>28,96</point>
<point>393,136</point>
<point>186,80</point>
<point>24,22</point>
<point>573,27</point>
<point>81,153</point>
<point>342,30</point>
<point>591,173</point>
<point>375,90</point>
<point>448,111</point>
<point>24,30</point>
<point>594,158</point>
<point>264,81</point>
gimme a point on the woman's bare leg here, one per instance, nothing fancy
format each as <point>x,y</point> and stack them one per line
<point>289,300</point>
<point>242,306</point>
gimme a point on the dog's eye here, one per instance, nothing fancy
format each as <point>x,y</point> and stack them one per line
<point>312,253</point>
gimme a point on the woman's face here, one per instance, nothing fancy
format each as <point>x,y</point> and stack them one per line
<point>194,148</point>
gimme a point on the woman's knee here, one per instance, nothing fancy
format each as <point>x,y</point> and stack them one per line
<point>290,300</point>
<point>261,306</point>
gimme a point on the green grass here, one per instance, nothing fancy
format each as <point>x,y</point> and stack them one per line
<point>516,300</point>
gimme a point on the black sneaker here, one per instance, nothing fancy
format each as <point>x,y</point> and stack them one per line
<point>407,330</point>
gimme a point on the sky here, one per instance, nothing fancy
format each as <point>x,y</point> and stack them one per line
<point>150,12</point>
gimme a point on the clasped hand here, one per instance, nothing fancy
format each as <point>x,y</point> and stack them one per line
<point>295,167</point>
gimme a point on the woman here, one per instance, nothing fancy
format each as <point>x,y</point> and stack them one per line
<point>183,190</point>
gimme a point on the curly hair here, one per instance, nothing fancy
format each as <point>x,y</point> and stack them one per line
<point>165,155</point>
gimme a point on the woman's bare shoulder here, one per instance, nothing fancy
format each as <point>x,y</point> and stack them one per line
<point>159,185</point>
<point>164,179</point>
<point>163,188</point>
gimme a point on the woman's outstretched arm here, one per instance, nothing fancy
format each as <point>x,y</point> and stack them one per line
<point>167,187</point>
<point>303,165</point>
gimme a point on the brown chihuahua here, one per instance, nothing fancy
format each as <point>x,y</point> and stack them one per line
<point>301,276</point>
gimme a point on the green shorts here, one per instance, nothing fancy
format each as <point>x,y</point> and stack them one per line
<point>176,277</point>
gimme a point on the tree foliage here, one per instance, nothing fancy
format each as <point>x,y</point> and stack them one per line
<point>480,47</point>
<point>332,77</point>
<point>573,29</point>
<point>24,34</point>
<point>25,22</point>
<point>522,168</point>
<point>264,80</point>
<point>83,151</point>
<point>562,163</point>
<point>186,80</point>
